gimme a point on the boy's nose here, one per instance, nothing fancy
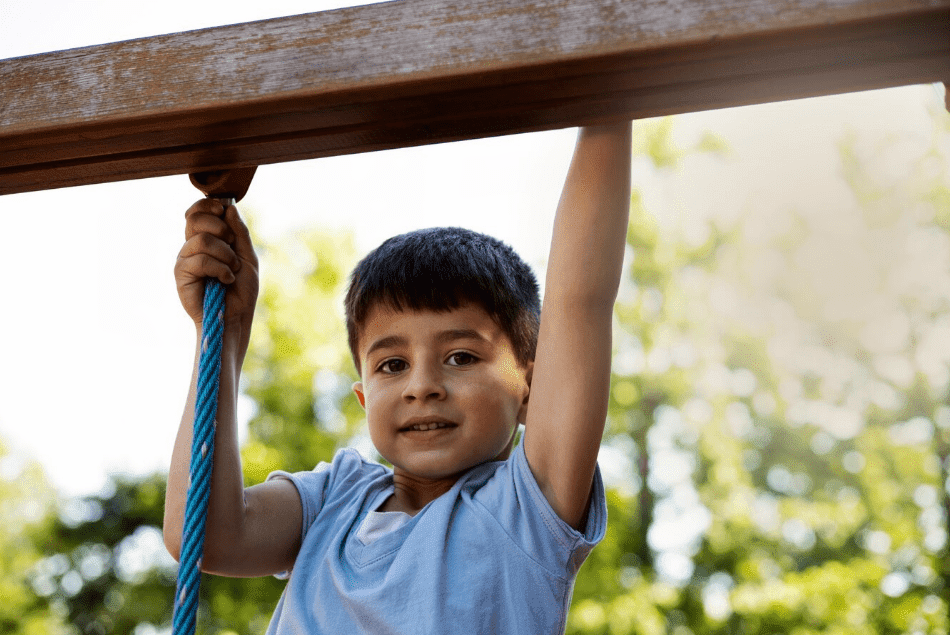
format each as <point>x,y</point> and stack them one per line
<point>424,383</point>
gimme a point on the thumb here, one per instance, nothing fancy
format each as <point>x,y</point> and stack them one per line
<point>243,246</point>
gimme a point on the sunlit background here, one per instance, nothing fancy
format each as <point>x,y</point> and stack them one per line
<point>777,441</point>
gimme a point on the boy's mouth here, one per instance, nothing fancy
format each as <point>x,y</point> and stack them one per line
<point>424,425</point>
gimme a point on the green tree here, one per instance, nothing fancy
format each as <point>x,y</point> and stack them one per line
<point>26,501</point>
<point>801,440</point>
<point>103,566</point>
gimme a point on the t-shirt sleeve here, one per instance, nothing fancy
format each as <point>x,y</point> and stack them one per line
<point>312,487</point>
<point>317,485</point>
<point>534,525</point>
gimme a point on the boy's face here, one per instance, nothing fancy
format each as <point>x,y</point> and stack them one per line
<point>456,368</point>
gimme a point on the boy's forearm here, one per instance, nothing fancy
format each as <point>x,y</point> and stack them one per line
<point>591,224</point>
<point>226,503</point>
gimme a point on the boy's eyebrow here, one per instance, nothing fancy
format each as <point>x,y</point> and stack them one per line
<point>452,335</point>
<point>386,342</point>
<point>443,337</point>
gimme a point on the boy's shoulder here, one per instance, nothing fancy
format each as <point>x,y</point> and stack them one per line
<point>348,463</point>
<point>347,472</point>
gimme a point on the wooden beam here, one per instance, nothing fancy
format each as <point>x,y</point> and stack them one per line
<point>427,71</point>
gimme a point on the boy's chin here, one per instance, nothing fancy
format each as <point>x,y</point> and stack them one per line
<point>433,470</point>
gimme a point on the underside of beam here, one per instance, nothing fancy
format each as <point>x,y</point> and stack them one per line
<point>427,71</point>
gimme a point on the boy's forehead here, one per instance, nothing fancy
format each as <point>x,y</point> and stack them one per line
<point>383,321</point>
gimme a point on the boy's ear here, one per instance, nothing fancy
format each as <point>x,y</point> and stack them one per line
<point>358,389</point>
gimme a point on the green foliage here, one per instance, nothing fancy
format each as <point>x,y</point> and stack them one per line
<point>102,567</point>
<point>25,500</point>
<point>299,371</point>
<point>814,470</point>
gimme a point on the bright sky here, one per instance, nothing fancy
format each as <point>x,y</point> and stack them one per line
<point>97,351</point>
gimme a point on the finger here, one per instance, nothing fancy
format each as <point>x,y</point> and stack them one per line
<point>201,223</point>
<point>202,265</point>
<point>213,247</point>
<point>205,206</point>
<point>243,245</point>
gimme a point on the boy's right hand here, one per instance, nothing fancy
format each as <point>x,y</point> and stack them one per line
<point>217,245</point>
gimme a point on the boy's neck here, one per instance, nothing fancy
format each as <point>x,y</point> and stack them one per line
<point>412,493</point>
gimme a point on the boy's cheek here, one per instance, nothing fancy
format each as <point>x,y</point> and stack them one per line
<point>514,377</point>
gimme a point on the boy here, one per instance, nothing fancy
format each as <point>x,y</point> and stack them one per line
<point>466,534</point>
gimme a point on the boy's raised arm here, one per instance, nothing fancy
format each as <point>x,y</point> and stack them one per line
<point>571,377</point>
<point>253,531</point>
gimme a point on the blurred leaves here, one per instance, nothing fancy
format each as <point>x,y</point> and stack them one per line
<point>25,502</point>
<point>781,386</point>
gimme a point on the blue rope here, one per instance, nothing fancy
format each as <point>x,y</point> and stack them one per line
<point>202,452</point>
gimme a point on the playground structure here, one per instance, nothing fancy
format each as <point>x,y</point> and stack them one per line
<point>428,71</point>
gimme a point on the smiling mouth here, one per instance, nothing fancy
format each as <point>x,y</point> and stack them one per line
<point>424,427</point>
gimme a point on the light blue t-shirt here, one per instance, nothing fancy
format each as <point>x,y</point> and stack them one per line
<point>488,556</point>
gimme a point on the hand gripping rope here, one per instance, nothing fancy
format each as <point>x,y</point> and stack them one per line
<point>229,187</point>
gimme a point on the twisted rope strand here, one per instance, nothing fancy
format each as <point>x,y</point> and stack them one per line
<point>202,452</point>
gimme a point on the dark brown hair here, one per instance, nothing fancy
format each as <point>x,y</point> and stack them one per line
<point>440,269</point>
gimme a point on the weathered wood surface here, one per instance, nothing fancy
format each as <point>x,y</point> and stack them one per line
<point>426,71</point>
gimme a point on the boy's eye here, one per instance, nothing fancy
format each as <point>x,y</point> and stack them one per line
<point>461,359</point>
<point>392,366</point>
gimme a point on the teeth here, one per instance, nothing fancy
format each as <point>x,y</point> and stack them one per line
<point>429,426</point>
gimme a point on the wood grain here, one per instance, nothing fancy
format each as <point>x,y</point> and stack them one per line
<point>427,71</point>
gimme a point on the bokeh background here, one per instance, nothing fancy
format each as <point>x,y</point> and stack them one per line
<point>777,445</point>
